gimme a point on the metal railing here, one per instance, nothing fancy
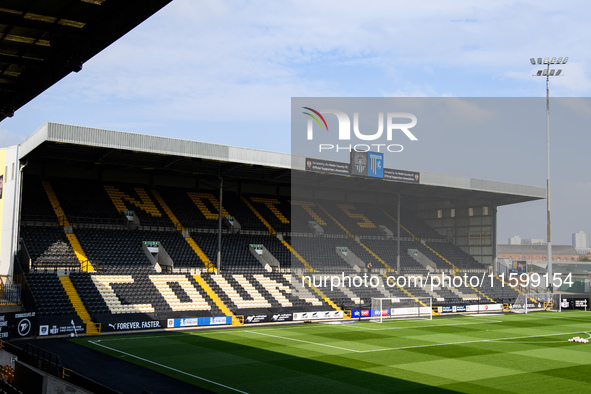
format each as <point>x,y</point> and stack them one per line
<point>10,294</point>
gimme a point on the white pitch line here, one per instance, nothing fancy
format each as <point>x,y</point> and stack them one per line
<point>166,335</point>
<point>356,326</point>
<point>167,367</point>
<point>415,346</point>
<point>237,331</point>
<point>552,316</point>
<point>299,327</point>
<point>426,326</point>
<point>465,342</point>
<point>301,340</point>
<point>538,342</point>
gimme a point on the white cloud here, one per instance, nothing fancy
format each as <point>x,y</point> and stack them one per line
<point>197,68</point>
<point>10,138</point>
<point>197,59</point>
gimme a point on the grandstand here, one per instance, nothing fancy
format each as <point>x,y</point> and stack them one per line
<point>107,232</point>
<point>110,227</point>
<point>114,232</point>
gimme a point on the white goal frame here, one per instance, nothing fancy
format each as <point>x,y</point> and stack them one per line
<point>537,302</point>
<point>401,308</point>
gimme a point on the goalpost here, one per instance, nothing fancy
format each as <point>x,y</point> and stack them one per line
<point>536,302</point>
<point>401,308</point>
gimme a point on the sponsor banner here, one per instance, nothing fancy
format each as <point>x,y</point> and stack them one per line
<point>423,310</point>
<point>490,307</point>
<point>256,319</point>
<point>318,315</point>
<point>279,317</point>
<point>5,326</point>
<point>132,325</point>
<point>370,312</point>
<point>18,325</point>
<point>199,321</point>
<point>380,312</point>
<point>61,329</point>
<point>574,303</point>
<point>458,308</point>
<point>404,311</point>
<point>470,308</point>
<point>564,303</point>
<point>362,164</point>
<point>217,321</point>
<point>581,304</point>
<point>401,175</point>
<point>327,166</point>
<point>265,318</point>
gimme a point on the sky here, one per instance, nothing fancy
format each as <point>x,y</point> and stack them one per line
<point>225,72</point>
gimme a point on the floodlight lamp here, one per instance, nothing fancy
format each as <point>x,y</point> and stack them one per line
<point>532,60</point>
<point>553,61</point>
<point>546,60</point>
<point>551,72</point>
<point>558,72</point>
<point>539,60</point>
<point>545,73</point>
<point>565,60</point>
<point>559,61</point>
<point>539,73</point>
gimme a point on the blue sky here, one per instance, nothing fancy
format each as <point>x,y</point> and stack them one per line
<point>224,72</point>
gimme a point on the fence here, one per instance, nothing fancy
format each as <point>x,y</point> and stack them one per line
<point>10,294</point>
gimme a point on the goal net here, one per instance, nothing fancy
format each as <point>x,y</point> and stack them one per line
<point>401,308</point>
<point>536,302</point>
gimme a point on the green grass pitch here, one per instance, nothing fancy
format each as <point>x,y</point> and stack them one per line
<point>513,353</point>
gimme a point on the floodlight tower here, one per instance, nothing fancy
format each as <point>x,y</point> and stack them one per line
<point>547,72</point>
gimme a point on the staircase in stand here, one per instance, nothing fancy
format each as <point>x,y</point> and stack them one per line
<point>92,328</point>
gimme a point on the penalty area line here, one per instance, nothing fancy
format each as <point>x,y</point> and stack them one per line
<point>167,367</point>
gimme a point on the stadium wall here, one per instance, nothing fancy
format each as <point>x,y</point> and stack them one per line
<point>10,179</point>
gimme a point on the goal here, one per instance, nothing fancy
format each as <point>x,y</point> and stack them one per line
<point>401,308</point>
<point>536,302</point>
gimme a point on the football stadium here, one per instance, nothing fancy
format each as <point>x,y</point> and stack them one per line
<point>134,263</point>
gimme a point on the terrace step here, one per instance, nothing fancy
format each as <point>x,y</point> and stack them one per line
<point>92,328</point>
